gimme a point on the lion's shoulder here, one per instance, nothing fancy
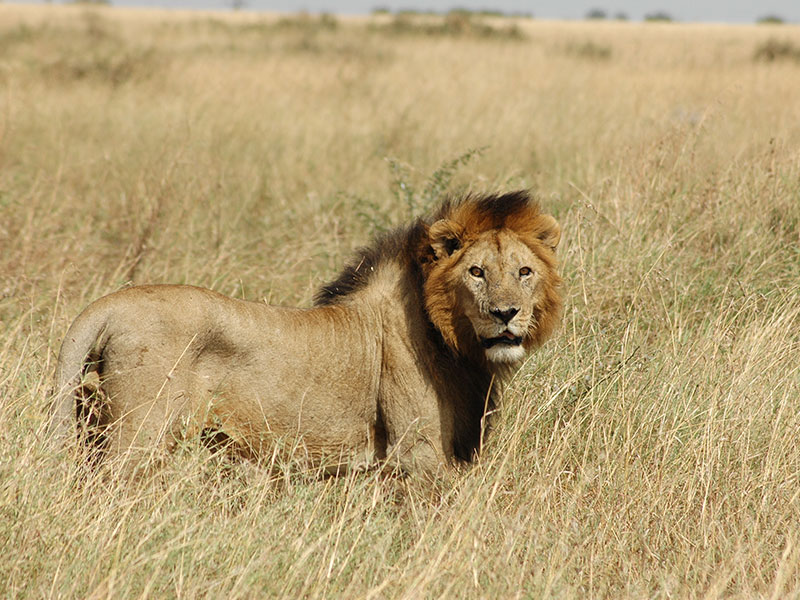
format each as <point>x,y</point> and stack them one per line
<point>398,246</point>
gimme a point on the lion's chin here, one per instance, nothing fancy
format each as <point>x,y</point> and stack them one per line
<point>505,353</point>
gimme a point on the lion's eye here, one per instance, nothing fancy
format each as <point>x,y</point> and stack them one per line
<point>525,271</point>
<point>476,271</point>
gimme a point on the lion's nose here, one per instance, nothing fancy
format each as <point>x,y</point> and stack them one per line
<point>504,315</point>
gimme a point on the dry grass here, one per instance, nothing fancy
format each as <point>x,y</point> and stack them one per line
<point>650,450</point>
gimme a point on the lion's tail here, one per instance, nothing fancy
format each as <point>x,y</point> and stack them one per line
<point>81,352</point>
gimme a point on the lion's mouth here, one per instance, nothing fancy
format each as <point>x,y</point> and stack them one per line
<point>506,338</point>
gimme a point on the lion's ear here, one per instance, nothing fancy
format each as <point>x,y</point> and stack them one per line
<point>548,231</point>
<point>445,237</point>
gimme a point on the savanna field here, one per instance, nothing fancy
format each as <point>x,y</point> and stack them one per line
<point>651,449</point>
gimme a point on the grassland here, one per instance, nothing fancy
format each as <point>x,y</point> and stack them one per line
<point>649,450</point>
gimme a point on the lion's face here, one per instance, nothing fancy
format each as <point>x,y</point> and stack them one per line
<point>499,284</point>
<point>495,289</point>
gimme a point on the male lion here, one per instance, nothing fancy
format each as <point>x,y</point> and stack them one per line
<point>398,361</point>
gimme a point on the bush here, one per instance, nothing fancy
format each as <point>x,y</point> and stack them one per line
<point>770,20</point>
<point>773,50</point>
<point>658,16</point>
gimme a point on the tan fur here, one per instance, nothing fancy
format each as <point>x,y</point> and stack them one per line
<point>397,362</point>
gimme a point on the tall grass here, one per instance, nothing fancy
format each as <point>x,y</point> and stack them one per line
<point>649,450</point>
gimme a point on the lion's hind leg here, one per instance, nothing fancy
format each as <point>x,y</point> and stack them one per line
<point>148,413</point>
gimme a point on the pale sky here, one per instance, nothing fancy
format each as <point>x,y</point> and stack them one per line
<point>722,11</point>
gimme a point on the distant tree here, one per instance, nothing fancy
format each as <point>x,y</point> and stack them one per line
<point>381,10</point>
<point>596,14</point>
<point>238,4</point>
<point>659,16</point>
<point>621,16</point>
<point>770,20</point>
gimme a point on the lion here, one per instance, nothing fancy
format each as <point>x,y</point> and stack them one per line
<point>398,363</point>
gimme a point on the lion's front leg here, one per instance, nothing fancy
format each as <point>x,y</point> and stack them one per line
<point>416,453</point>
<point>419,437</point>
